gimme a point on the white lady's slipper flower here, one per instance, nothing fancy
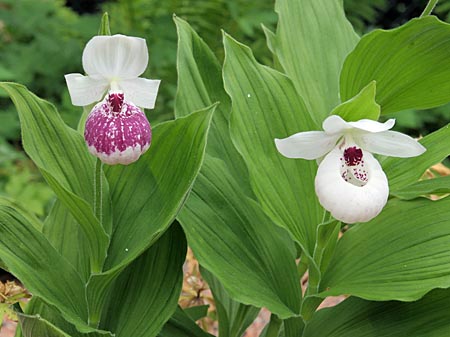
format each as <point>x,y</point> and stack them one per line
<point>113,62</point>
<point>116,130</point>
<point>350,182</point>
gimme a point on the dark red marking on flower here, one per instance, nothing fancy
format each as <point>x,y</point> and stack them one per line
<point>353,156</point>
<point>115,100</point>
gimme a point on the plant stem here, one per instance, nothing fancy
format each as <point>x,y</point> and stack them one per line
<point>98,190</point>
<point>274,326</point>
<point>429,8</point>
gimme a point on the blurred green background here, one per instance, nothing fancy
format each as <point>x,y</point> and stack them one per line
<point>41,40</point>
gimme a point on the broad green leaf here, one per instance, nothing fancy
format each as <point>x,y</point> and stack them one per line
<point>32,326</point>
<point>148,194</point>
<point>218,212</point>
<point>293,327</point>
<point>265,107</point>
<point>400,255</point>
<point>65,234</point>
<point>235,240</point>
<point>362,106</point>
<point>404,171</point>
<point>426,187</point>
<point>200,84</point>
<point>359,318</point>
<point>33,260</point>
<point>411,65</point>
<point>62,156</point>
<point>181,325</point>
<point>233,317</point>
<point>146,293</point>
<point>313,38</point>
<point>36,307</point>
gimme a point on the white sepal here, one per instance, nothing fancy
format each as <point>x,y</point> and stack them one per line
<point>115,57</point>
<point>85,90</point>
<point>345,201</point>
<point>306,145</point>
<point>389,143</point>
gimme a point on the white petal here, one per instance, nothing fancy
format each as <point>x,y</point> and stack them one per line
<point>115,57</point>
<point>141,91</point>
<point>85,90</point>
<point>372,126</point>
<point>306,145</point>
<point>389,143</point>
<point>345,201</point>
<point>335,124</point>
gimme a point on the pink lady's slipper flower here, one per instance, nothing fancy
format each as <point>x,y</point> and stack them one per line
<point>350,182</point>
<point>116,131</point>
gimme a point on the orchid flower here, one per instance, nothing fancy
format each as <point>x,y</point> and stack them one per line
<point>116,131</point>
<point>350,182</point>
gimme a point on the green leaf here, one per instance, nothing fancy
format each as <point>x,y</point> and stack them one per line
<point>149,287</point>
<point>313,39</point>
<point>400,255</point>
<point>39,266</point>
<point>63,159</point>
<point>147,195</point>
<point>426,187</point>
<point>66,235</point>
<point>229,233</point>
<point>36,307</point>
<point>359,318</point>
<point>233,317</point>
<point>410,64</point>
<point>197,312</point>
<point>200,84</point>
<point>404,171</point>
<point>32,326</point>
<point>265,107</point>
<point>235,240</point>
<point>362,106</point>
<point>181,325</point>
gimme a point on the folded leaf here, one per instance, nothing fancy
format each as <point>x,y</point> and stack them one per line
<point>359,318</point>
<point>400,255</point>
<point>265,106</point>
<point>146,293</point>
<point>181,325</point>
<point>312,40</point>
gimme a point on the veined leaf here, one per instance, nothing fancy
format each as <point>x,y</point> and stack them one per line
<point>362,106</point>
<point>265,107</point>
<point>146,293</point>
<point>234,317</point>
<point>400,255</point>
<point>312,40</point>
<point>436,186</point>
<point>411,65</point>
<point>32,326</point>
<point>148,194</point>
<point>180,325</point>
<point>233,238</point>
<point>404,171</point>
<point>45,273</point>
<point>359,318</point>
<point>62,157</point>
<point>200,84</point>
<point>229,232</point>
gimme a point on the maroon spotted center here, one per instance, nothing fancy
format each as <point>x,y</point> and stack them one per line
<point>115,101</point>
<point>353,156</point>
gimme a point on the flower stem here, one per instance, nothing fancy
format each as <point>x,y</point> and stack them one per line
<point>98,190</point>
<point>429,8</point>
